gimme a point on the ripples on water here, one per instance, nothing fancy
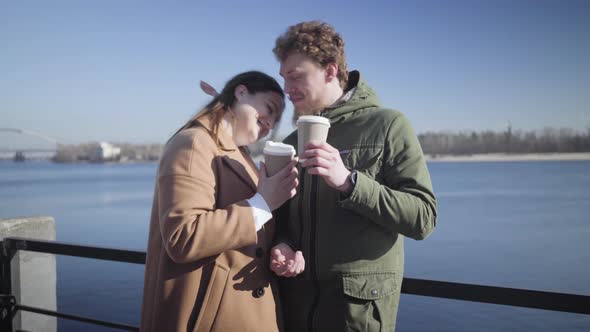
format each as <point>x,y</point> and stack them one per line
<point>519,224</point>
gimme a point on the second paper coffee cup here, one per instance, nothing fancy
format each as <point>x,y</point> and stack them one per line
<point>311,128</point>
<point>277,156</point>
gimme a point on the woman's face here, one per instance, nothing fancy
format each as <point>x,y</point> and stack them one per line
<point>256,115</point>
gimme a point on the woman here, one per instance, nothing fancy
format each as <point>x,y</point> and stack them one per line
<point>211,228</point>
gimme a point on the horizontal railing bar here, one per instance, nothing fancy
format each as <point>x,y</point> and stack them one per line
<point>77,250</point>
<point>77,318</point>
<point>498,295</point>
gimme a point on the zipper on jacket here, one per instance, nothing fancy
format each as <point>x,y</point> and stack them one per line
<point>312,250</point>
<point>300,206</point>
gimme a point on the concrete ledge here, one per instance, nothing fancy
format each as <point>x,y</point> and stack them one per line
<point>39,228</point>
<point>33,274</point>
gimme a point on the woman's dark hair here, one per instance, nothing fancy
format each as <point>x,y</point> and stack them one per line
<point>254,81</point>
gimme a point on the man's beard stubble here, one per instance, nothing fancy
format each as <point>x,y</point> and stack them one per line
<point>298,113</point>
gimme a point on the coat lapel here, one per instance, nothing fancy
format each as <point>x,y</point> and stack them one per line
<point>239,167</point>
<point>237,160</point>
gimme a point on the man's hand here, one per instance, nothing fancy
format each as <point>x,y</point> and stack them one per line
<point>324,160</point>
<point>285,262</point>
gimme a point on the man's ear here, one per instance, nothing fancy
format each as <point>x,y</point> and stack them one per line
<point>240,91</point>
<point>331,72</point>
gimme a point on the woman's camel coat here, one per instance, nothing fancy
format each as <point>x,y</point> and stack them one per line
<point>207,269</point>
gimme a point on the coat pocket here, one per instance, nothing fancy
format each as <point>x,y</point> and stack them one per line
<point>212,298</point>
<point>366,158</point>
<point>372,300</point>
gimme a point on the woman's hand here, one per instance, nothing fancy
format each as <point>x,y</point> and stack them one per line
<point>279,188</point>
<point>286,262</point>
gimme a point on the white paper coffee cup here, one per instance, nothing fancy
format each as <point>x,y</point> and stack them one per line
<point>277,156</point>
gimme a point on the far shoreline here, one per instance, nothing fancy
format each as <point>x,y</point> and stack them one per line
<point>502,157</point>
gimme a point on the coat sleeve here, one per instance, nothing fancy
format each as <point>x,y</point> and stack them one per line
<point>191,224</point>
<point>404,203</point>
<point>281,215</point>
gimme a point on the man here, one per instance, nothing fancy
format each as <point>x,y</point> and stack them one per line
<point>360,194</point>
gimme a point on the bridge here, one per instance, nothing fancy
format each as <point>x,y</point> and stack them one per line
<point>20,153</point>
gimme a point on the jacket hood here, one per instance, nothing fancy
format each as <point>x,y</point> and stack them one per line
<point>362,96</point>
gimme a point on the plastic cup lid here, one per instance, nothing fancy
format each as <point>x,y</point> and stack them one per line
<point>278,149</point>
<point>314,119</point>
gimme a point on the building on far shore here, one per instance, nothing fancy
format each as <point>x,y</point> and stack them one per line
<point>106,152</point>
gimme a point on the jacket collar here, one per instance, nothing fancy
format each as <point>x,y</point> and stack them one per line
<point>225,141</point>
<point>358,95</point>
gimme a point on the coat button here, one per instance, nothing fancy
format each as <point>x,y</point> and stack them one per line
<point>259,292</point>
<point>259,252</point>
<point>374,292</point>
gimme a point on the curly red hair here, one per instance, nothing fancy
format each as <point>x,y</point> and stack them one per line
<point>317,40</point>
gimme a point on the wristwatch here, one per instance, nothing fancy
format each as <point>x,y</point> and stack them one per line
<point>352,180</point>
<point>353,175</point>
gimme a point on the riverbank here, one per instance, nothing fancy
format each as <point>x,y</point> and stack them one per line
<point>494,157</point>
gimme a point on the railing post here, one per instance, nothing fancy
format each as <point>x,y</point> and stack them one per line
<point>7,300</point>
<point>32,275</point>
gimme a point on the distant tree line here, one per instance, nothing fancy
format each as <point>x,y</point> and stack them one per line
<point>546,140</point>
<point>129,152</point>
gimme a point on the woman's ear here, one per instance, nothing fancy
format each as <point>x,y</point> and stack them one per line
<point>240,91</point>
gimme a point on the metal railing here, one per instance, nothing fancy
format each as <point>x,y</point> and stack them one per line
<point>571,303</point>
<point>10,245</point>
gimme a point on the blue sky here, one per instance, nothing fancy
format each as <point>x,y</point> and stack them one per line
<point>128,71</point>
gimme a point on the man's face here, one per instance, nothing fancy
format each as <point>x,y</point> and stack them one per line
<point>305,83</point>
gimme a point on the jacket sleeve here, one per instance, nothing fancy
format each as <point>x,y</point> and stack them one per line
<point>404,203</point>
<point>191,224</point>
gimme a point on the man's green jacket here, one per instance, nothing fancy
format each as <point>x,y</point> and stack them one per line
<point>353,244</point>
